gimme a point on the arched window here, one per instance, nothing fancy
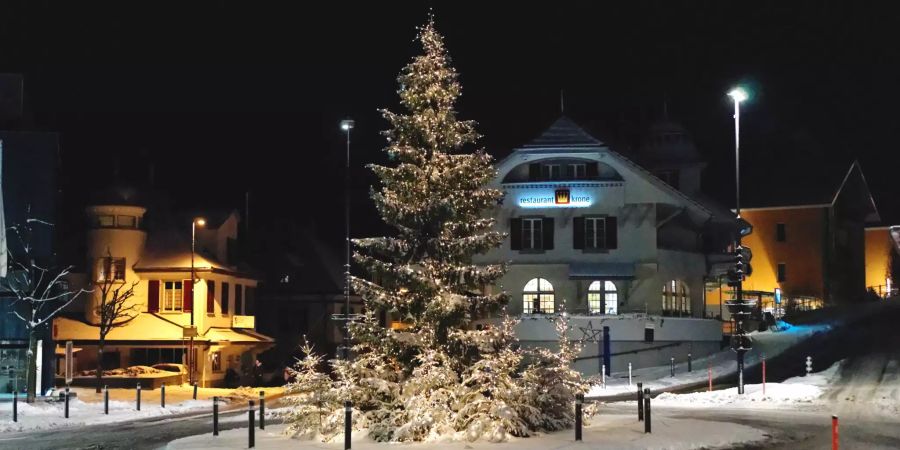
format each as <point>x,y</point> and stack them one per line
<point>602,298</point>
<point>537,297</point>
<point>675,299</point>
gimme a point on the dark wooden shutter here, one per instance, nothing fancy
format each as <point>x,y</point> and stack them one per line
<point>187,295</point>
<point>210,297</point>
<point>515,234</point>
<point>238,300</point>
<point>226,298</point>
<point>591,171</point>
<point>534,172</point>
<point>153,296</point>
<point>548,233</point>
<point>578,233</point>
<point>612,233</point>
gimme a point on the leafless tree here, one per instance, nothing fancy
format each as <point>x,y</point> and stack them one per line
<point>39,290</point>
<point>114,308</point>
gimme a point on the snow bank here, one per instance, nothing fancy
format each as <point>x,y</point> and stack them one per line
<point>607,431</point>
<point>792,391</point>
<point>722,363</point>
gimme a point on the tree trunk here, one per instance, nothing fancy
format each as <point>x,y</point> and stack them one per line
<point>100,365</point>
<point>31,367</point>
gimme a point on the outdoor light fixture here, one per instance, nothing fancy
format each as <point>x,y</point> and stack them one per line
<point>738,94</point>
<point>347,124</point>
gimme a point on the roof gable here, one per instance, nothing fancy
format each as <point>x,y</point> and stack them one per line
<point>564,133</point>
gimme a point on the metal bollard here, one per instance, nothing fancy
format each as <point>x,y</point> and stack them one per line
<point>764,374</point>
<point>690,363</point>
<point>808,365</point>
<point>195,390</point>
<point>67,402</point>
<point>139,396</point>
<point>603,377</point>
<point>215,416</point>
<point>348,421</point>
<point>640,402</point>
<point>579,400</point>
<point>15,406</point>
<point>162,396</point>
<point>252,426</point>
<point>629,374</point>
<point>106,399</point>
<point>672,366</point>
<point>647,410</point>
<point>262,410</point>
<point>709,375</point>
<point>835,437</point>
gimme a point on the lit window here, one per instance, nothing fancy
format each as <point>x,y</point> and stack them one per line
<point>603,298</point>
<point>537,297</point>
<point>106,221</point>
<point>110,269</point>
<point>216,358</point>
<point>594,233</point>
<point>127,221</point>
<point>172,296</point>
<point>675,299</point>
<point>532,231</point>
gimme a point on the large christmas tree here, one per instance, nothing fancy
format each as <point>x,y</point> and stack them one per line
<point>436,374</point>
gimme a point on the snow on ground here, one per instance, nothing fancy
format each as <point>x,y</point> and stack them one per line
<point>722,363</point>
<point>793,391</point>
<point>607,431</point>
<point>87,407</point>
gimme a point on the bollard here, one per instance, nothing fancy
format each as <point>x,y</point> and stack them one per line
<point>709,375</point>
<point>764,375</point>
<point>252,426</point>
<point>215,416</point>
<point>15,406</point>
<point>835,441</point>
<point>195,390</point>
<point>348,411</point>
<point>67,402</point>
<point>647,410</point>
<point>808,365</point>
<point>139,396</point>
<point>603,377</point>
<point>690,363</point>
<point>640,401</point>
<point>262,410</point>
<point>162,396</point>
<point>579,400</point>
<point>672,367</point>
<point>106,399</point>
<point>629,374</point>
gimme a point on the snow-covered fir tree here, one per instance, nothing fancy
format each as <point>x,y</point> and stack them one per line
<point>438,374</point>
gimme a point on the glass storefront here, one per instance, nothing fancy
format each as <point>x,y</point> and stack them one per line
<point>12,366</point>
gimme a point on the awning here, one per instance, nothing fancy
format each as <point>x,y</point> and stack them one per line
<point>609,271</point>
<point>226,336</point>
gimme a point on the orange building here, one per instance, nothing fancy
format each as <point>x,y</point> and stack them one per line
<point>879,248</point>
<point>812,243</point>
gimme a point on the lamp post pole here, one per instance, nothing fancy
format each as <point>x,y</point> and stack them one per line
<point>190,359</point>
<point>347,125</point>
<point>738,95</point>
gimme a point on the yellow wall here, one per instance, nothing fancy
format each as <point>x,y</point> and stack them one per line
<point>802,251</point>
<point>878,256</point>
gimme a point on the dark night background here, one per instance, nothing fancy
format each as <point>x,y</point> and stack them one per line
<point>234,97</point>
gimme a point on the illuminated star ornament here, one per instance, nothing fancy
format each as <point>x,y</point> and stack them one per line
<point>591,334</point>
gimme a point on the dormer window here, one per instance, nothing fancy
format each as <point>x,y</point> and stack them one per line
<point>126,221</point>
<point>551,172</point>
<point>106,221</point>
<point>577,171</point>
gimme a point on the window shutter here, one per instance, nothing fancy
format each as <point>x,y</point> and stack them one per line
<point>612,233</point>
<point>515,234</point>
<point>187,295</point>
<point>534,172</point>
<point>226,298</point>
<point>578,233</point>
<point>210,297</point>
<point>153,296</point>
<point>548,233</point>
<point>592,171</point>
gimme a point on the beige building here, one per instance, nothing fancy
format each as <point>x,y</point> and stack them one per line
<point>219,302</point>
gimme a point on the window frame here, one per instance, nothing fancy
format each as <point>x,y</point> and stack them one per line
<point>676,299</point>
<point>606,292</point>
<point>781,272</point>
<point>110,264</point>
<point>574,170</point>
<point>549,170</point>
<point>542,294</point>
<point>537,231</point>
<point>177,305</point>
<point>598,238</point>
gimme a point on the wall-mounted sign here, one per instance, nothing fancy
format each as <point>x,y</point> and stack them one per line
<point>555,198</point>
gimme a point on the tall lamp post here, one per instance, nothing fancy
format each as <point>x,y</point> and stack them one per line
<point>199,221</point>
<point>347,125</point>
<point>740,309</point>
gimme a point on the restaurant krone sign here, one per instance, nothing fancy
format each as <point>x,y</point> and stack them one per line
<point>555,198</point>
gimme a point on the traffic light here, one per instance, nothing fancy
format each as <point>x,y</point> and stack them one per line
<point>744,227</point>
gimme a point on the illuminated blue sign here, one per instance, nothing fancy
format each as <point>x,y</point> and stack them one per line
<point>555,198</point>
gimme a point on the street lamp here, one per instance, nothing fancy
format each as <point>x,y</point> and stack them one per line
<point>347,125</point>
<point>739,308</point>
<point>199,221</point>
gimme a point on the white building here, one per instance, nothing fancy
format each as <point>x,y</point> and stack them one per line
<point>596,233</point>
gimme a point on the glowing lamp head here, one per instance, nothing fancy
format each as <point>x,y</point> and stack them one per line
<point>347,124</point>
<point>738,94</point>
<point>200,221</point>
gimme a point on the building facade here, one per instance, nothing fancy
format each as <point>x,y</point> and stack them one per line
<point>177,295</point>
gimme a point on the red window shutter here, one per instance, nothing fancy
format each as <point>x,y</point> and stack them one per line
<point>210,297</point>
<point>187,295</point>
<point>153,296</point>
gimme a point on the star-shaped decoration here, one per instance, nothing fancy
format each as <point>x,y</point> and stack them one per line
<point>591,334</point>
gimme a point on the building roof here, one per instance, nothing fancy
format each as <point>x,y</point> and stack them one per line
<point>668,144</point>
<point>169,251</point>
<point>564,133</point>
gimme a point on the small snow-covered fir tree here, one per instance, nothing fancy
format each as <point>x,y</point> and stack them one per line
<point>309,395</point>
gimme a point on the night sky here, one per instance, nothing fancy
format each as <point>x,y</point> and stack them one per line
<point>236,97</point>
